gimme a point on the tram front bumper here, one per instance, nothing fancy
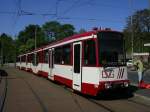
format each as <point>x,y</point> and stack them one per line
<point>114,84</point>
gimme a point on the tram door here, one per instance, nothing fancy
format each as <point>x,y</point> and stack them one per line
<point>77,54</point>
<point>51,63</point>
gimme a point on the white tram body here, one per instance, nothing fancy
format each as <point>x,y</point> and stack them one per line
<point>89,63</point>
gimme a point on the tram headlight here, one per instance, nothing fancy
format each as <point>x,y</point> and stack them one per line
<point>108,85</point>
<point>126,84</point>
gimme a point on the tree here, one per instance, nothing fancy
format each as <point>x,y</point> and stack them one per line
<point>66,30</point>
<point>52,29</point>
<point>26,38</point>
<point>8,51</point>
<point>141,30</point>
<point>49,32</point>
<point>58,30</point>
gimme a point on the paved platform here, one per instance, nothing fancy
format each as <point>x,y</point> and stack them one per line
<point>133,76</point>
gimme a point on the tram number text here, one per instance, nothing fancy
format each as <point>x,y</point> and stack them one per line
<point>108,74</point>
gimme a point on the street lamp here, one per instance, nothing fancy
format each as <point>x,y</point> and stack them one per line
<point>35,33</point>
<point>1,52</point>
<point>132,34</point>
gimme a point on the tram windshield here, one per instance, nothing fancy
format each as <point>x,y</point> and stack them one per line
<point>111,49</point>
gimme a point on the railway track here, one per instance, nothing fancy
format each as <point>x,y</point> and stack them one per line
<point>35,94</point>
<point>4,90</point>
<point>39,100</point>
<point>139,103</point>
<point>101,105</point>
<point>89,99</point>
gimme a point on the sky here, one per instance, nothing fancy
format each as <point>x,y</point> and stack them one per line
<point>86,14</point>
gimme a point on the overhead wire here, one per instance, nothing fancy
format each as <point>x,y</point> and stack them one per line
<point>78,4</point>
<point>71,7</point>
<point>87,19</point>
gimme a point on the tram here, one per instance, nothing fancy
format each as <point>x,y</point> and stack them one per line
<point>89,62</point>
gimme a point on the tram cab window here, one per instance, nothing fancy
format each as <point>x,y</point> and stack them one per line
<point>111,49</point>
<point>89,53</point>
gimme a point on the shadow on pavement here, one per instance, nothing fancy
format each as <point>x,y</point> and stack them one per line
<point>114,94</point>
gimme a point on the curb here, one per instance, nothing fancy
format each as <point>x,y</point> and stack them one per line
<point>143,97</point>
<point>139,95</point>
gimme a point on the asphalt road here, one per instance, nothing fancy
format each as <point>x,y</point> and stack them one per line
<point>29,93</point>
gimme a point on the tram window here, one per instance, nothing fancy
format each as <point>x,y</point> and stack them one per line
<point>26,59</point>
<point>18,59</point>
<point>89,53</point>
<point>34,59</point>
<point>37,58</point>
<point>29,58</point>
<point>40,57</point>
<point>58,55</point>
<point>66,54</point>
<point>23,58</point>
<point>46,56</point>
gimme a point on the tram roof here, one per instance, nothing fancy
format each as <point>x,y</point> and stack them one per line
<point>76,36</point>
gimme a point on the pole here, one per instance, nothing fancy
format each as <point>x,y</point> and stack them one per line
<point>35,43</point>
<point>35,35</point>
<point>1,51</point>
<point>132,34</point>
<point>149,4</point>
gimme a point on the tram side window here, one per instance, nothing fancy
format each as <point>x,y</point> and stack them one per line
<point>34,59</point>
<point>39,57</point>
<point>89,53</point>
<point>46,56</point>
<point>58,55</point>
<point>26,59</point>
<point>29,58</point>
<point>18,59</point>
<point>23,58</point>
<point>66,54</point>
